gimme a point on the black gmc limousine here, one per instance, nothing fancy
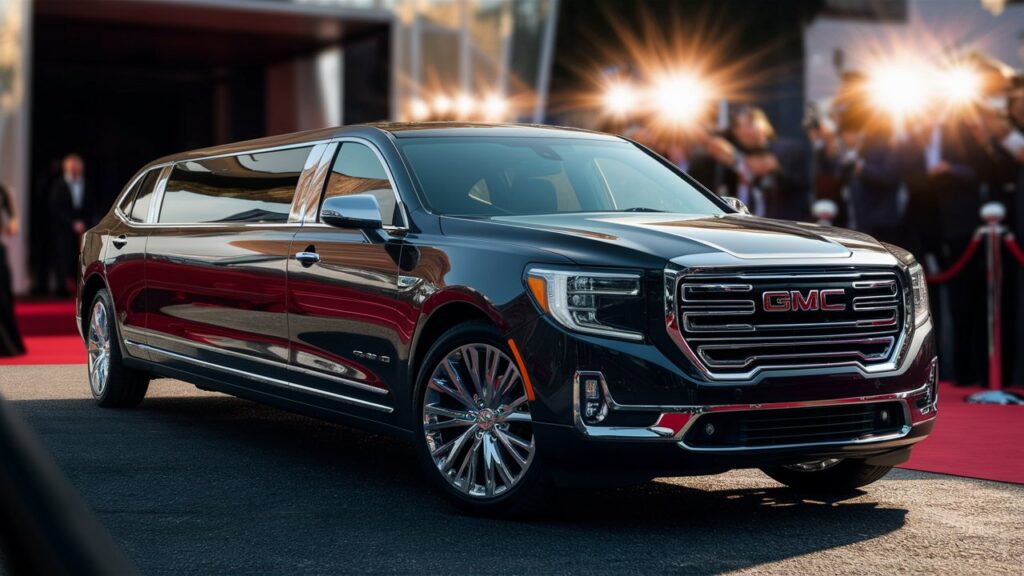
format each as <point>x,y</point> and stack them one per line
<point>530,306</point>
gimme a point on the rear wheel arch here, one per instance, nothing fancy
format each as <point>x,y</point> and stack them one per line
<point>92,285</point>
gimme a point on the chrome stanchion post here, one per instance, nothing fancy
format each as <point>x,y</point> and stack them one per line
<point>992,214</point>
<point>824,211</point>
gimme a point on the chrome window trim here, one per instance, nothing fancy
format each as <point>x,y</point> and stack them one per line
<point>315,212</point>
<point>131,184</point>
<point>898,363</point>
<point>158,200</point>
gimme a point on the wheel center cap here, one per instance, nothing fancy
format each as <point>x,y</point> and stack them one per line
<point>485,419</point>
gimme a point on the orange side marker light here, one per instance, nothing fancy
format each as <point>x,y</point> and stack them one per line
<point>522,369</point>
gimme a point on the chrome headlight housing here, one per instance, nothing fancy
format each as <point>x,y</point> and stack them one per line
<point>919,289</point>
<point>601,303</point>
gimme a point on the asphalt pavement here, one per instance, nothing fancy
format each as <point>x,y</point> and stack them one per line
<point>195,482</point>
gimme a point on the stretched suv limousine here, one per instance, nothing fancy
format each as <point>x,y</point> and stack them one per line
<point>530,306</point>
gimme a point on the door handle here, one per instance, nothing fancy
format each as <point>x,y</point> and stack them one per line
<point>308,257</point>
<point>120,241</point>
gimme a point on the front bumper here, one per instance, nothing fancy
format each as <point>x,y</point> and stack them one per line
<point>655,397</point>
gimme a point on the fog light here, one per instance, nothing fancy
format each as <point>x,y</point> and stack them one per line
<point>709,429</point>
<point>929,402</point>
<point>884,416</point>
<point>593,404</point>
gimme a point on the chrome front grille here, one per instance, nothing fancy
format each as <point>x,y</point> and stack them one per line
<point>737,324</point>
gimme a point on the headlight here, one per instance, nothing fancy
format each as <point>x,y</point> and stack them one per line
<point>919,285</point>
<point>602,303</point>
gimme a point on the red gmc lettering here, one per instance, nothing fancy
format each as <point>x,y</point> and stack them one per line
<point>838,306</point>
<point>796,301</point>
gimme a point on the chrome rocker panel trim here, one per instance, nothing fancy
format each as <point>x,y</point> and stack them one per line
<point>131,345</point>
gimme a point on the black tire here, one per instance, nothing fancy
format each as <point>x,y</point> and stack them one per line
<point>841,478</point>
<point>119,386</point>
<point>524,497</point>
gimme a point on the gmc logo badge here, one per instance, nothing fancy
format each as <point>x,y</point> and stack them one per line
<point>797,301</point>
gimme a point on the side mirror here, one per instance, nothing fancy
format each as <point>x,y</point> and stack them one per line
<point>736,204</point>
<point>356,211</point>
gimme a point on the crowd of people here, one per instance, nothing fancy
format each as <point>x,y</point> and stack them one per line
<point>916,181</point>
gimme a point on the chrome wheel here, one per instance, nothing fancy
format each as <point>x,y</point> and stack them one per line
<point>814,465</point>
<point>99,348</point>
<point>476,420</point>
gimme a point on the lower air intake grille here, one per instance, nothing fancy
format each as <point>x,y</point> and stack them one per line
<point>795,426</point>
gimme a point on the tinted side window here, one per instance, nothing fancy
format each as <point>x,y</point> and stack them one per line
<point>125,206</point>
<point>140,208</point>
<point>357,170</point>
<point>256,187</point>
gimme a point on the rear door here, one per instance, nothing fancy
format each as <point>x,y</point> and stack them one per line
<point>125,256</point>
<point>343,308</point>
<point>216,261</point>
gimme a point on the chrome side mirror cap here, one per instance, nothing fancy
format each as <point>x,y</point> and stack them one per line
<point>736,204</point>
<point>356,211</point>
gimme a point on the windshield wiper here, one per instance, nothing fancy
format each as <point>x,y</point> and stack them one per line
<point>641,209</point>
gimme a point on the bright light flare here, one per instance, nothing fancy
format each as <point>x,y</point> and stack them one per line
<point>680,98</point>
<point>442,104</point>
<point>899,89</point>
<point>620,99</point>
<point>419,110</point>
<point>465,106</point>
<point>495,107</point>
<point>959,85</point>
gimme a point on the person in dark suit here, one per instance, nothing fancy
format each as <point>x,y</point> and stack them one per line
<point>768,173</point>
<point>870,170</point>
<point>10,337</point>
<point>945,199</point>
<point>72,208</point>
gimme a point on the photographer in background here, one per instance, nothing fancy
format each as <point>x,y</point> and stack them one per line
<point>861,163</point>
<point>768,173</point>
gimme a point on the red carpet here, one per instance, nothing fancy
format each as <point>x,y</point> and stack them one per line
<point>48,328</point>
<point>974,440</point>
<point>969,439</point>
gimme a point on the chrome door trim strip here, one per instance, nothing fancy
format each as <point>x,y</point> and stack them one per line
<point>213,349</point>
<point>264,379</point>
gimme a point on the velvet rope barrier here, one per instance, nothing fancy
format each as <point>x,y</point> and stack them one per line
<point>958,266</point>
<point>1011,244</point>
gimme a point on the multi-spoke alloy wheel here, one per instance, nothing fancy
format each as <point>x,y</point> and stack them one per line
<point>99,348</point>
<point>476,421</point>
<point>113,384</point>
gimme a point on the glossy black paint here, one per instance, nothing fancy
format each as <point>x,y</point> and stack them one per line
<point>340,338</point>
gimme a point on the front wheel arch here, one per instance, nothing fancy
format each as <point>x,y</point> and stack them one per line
<point>437,322</point>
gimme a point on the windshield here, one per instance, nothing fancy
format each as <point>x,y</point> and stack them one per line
<point>476,176</point>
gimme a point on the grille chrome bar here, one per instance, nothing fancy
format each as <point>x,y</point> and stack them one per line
<point>732,338</point>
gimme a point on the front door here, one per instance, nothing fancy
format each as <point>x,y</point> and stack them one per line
<point>342,292</point>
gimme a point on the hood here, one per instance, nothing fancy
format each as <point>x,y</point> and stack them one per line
<point>631,239</point>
